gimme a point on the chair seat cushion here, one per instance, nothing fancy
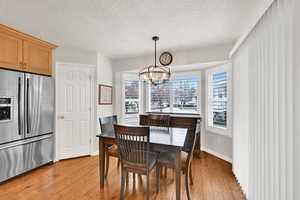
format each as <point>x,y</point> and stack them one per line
<point>113,150</point>
<point>168,159</point>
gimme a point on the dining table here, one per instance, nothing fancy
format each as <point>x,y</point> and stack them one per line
<point>162,139</point>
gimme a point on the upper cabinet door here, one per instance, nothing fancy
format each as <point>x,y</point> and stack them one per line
<point>37,58</point>
<point>10,52</point>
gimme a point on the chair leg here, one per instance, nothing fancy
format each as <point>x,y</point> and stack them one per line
<point>123,176</point>
<point>191,176</point>
<point>148,186</point>
<point>107,165</point>
<point>127,178</point>
<point>133,179</point>
<point>118,162</point>
<point>187,185</point>
<point>158,170</point>
<point>166,171</point>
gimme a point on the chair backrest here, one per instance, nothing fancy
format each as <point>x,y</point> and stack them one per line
<point>133,144</point>
<point>107,123</point>
<point>159,120</point>
<point>144,120</point>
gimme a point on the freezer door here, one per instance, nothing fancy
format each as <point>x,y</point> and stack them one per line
<point>11,106</point>
<point>24,155</point>
<point>39,105</point>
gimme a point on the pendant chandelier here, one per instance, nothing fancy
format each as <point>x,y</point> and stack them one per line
<point>155,74</point>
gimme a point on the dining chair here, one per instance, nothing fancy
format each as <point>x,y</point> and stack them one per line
<point>135,154</point>
<point>167,159</point>
<point>107,125</point>
<point>159,122</point>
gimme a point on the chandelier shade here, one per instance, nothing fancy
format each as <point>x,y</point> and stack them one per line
<point>155,74</point>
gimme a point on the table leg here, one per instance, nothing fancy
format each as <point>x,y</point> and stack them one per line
<point>101,161</point>
<point>178,174</point>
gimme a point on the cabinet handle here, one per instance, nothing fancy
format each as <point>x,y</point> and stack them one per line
<point>24,65</point>
<point>21,64</point>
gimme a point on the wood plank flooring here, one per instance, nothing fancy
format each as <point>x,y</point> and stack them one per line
<point>78,179</point>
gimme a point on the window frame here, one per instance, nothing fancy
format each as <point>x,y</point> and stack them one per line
<point>178,75</point>
<point>209,72</point>
<point>125,77</point>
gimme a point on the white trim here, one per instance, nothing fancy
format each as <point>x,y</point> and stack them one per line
<point>125,77</point>
<point>222,68</point>
<point>242,188</point>
<point>93,88</point>
<point>218,155</point>
<point>95,153</point>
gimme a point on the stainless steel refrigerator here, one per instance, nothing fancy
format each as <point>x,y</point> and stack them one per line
<point>26,122</point>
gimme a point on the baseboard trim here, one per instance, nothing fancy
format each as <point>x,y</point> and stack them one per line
<point>95,153</point>
<point>242,189</point>
<point>221,156</point>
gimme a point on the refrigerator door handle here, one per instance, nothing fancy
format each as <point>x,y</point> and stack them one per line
<point>19,106</point>
<point>27,107</point>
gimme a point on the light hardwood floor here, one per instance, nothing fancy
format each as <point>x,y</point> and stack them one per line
<point>78,179</point>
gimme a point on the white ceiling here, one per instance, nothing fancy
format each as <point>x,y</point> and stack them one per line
<point>123,28</point>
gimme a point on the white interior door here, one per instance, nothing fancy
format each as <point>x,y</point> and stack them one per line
<point>74,87</point>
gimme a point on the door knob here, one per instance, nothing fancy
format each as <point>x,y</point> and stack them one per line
<point>61,117</point>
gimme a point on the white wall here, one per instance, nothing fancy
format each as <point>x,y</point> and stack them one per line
<point>213,143</point>
<point>296,72</point>
<point>104,76</point>
<point>192,56</point>
<point>241,118</point>
<point>71,55</point>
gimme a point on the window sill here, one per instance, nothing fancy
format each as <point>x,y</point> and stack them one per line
<point>172,113</point>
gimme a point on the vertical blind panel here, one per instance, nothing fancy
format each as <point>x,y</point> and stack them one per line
<point>270,108</point>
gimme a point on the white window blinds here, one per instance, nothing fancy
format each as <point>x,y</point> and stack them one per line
<point>179,95</point>
<point>217,102</point>
<point>185,97</point>
<point>219,99</point>
<point>131,96</point>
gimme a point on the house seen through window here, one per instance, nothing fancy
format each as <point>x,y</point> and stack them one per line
<point>179,95</point>
<point>217,99</point>
<point>131,96</point>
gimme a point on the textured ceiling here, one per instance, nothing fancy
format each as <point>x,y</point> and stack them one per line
<point>123,28</point>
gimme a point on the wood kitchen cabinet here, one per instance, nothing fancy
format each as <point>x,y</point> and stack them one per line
<point>11,52</point>
<point>37,58</point>
<point>22,52</point>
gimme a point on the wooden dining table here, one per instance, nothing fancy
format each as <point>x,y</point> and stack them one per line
<point>161,140</point>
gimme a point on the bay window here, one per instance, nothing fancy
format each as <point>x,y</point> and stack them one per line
<point>218,99</point>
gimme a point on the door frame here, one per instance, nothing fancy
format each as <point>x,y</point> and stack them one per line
<point>93,88</point>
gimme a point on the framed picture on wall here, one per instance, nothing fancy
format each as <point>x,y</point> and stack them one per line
<point>105,95</point>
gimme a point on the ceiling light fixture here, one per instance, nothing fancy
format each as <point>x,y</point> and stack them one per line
<point>155,74</point>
